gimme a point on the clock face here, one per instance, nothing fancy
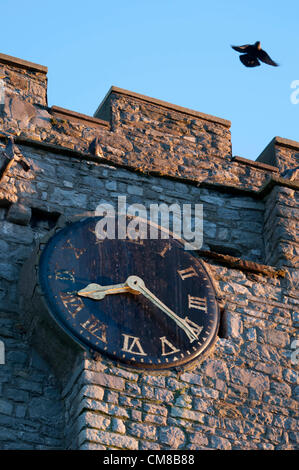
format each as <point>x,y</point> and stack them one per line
<point>146,303</point>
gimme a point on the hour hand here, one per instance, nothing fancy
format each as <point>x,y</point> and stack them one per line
<point>98,292</point>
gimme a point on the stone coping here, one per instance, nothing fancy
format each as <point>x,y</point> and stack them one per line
<point>286,143</point>
<point>73,115</point>
<point>161,103</point>
<point>20,63</point>
<point>256,164</point>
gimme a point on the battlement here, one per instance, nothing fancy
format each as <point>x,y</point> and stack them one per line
<point>136,131</point>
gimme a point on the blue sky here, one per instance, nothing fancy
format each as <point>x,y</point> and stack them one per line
<point>167,49</point>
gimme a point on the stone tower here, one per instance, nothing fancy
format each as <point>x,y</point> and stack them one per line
<point>58,164</point>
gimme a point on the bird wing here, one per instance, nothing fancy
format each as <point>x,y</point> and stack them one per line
<point>264,57</point>
<point>241,48</point>
<point>249,60</point>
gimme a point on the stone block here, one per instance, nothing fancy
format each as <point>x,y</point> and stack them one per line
<point>93,420</point>
<point>19,214</point>
<point>149,445</point>
<point>232,324</point>
<point>20,411</point>
<point>251,334</point>
<point>220,443</point>
<point>155,419</point>
<point>6,407</point>
<point>171,436</point>
<point>191,415</point>
<point>199,439</point>
<point>69,198</point>
<point>15,233</point>
<point>8,272</point>
<point>275,337</point>
<point>119,411</point>
<point>20,110</point>
<point>155,409</point>
<point>89,404</point>
<point>93,391</point>
<point>184,401</point>
<point>290,376</point>
<point>163,395</point>
<point>132,389</point>
<point>92,446</point>
<point>110,439</point>
<point>256,382</point>
<point>281,389</point>
<point>157,381</point>
<point>118,426</point>
<point>216,369</point>
<point>204,392</point>
<point>204,405</point>
<point>104,380</point>
<point>111,185</point>
<point>143,431</point>
<point>112,397</point>
<point>191,378</point>
<point>135,190</point>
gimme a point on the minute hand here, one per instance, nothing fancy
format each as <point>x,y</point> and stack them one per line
<point>140,287</point>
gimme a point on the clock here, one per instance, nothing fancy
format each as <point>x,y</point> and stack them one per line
<point>142,302</point>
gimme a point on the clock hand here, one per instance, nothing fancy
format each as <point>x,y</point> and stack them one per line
<point>137,285</point>
<point>98,292</point>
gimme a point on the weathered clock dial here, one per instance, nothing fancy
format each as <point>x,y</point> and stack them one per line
<point>145,303</point>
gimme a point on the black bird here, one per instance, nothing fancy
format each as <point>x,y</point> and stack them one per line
<point>252,54</point>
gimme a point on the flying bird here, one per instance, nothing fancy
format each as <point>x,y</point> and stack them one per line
<point>251,54</point>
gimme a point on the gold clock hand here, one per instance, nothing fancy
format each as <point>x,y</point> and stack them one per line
<point>137,284</point>
<point>98,292</point>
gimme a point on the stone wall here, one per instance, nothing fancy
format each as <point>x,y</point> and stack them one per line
<point>243,395</point>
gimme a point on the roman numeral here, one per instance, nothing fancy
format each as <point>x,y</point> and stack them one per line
<point>64,275</point>
<point>77,251</point>
<point>132,345</point>
<point>188,272</point>
<point>165,249</point>
<point>167,347</point>
<point>72,304</point>
<point>197,302</point>
<point>194,327</point>
<point>95,328</point>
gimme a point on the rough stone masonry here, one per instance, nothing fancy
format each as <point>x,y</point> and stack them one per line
<point>55,162</point>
